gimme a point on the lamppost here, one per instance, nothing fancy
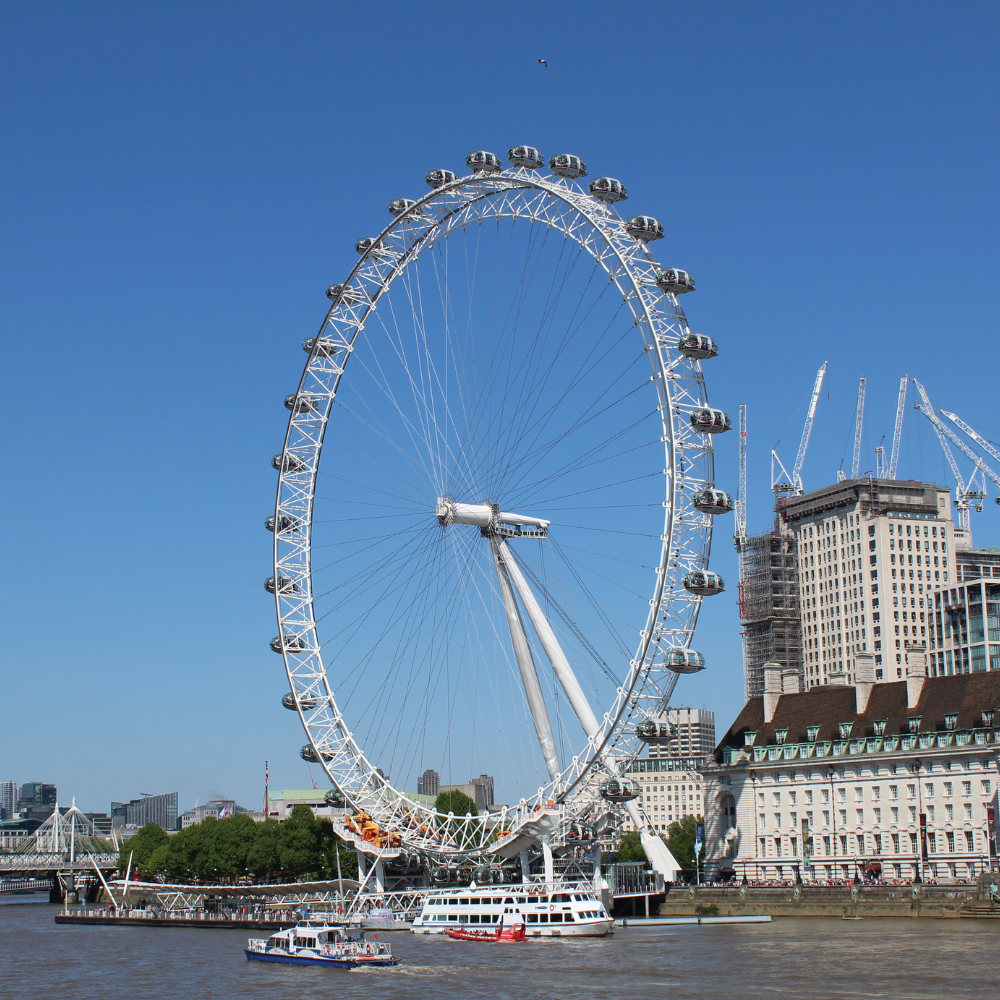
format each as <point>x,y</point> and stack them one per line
<point>756,836</point>
<point>830,774</point>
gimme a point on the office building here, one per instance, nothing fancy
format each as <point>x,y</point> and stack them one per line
<point>894,778</point>
<point>160,809</point>
<point>217,809</point>
<point>8,799</point>
<point>36,800</point>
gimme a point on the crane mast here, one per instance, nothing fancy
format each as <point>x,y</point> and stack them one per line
<point>796,477</point>
<point>897,431</point>
<point>740,509</point>
<point>859,419</point>
<point>969,432</point>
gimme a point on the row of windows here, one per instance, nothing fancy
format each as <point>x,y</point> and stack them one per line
<point>876,843</point>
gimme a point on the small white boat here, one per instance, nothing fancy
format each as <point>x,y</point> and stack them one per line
<point>316,942</point>
<point>569,910</point>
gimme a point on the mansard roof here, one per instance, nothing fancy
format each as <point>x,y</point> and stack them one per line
<point>831,705</point>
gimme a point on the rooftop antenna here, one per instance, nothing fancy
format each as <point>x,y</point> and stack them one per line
<point>897,431</point>
<point>859,419</point>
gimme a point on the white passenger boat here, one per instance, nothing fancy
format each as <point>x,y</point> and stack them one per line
<point>315,942</point>
<point>548,911</point>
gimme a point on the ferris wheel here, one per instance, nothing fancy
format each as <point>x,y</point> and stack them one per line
<point>494,507</point>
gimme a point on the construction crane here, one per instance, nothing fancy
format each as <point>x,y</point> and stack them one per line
<point>879,462</point>
<point>740,509</point>
<point>793,483</point>
<point>859,419</point>
<point>966,495</point>
<point>989,448</point>
<point>897,431</point>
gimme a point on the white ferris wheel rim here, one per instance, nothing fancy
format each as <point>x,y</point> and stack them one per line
<point>537,199</point>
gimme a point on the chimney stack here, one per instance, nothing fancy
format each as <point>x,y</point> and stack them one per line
<point>772,689</point>
<point>837,677</point>
<point>916,674</point>
<point>790,681</point>
<point>864,680</point>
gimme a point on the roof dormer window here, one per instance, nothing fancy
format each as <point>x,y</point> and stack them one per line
<point>880,727</point>
<point>780,735</point>
<point>748,739</point>
<point>988,716</point>
<point>844,729</point>
<point>914,724</point>
<point>811,733</point>
<point>951,720</point>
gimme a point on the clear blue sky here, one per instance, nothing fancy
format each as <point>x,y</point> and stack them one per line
<point>179,182</point>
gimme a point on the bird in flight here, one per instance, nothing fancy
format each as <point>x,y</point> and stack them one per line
<point>544,63</point>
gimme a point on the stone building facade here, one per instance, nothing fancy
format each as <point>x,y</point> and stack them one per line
<point>896,778</point>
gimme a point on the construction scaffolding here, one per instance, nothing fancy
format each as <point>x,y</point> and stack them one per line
<point>769,606</point>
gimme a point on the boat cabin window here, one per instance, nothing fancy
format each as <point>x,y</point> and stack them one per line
<point>509,899</point>
<point>277,942</point>
<point>453,902</point>
<point>561,897</point>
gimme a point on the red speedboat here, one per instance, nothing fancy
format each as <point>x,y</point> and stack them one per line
<point>504,932</point>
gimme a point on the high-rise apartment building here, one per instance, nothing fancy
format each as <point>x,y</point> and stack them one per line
<point>8,799</point>
<point>485,781</point>
<point>429,783</point>
<point>695,734</point>
<point>160,809</point>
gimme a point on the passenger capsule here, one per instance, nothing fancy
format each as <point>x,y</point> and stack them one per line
<point>306,702</point>
<point>580,832</point>
<point>438,178</point>
<point>709,420</point>
<point>288,463</point>
<point>644,227</point>
<point>367,243</point>
<point>483,162</point>
<point>703,583</point>
<point>567,165</point>
<point>697,345</point>
<point>619,789</point>
<point>608,189</point>
<point>327,346</point>
<point>344,294</point>
<point>709,501</point>
<point>656,731</point>
<point>288,585</point>
<point>308,754</point>
<point>301,404</point>
<point>682,660</point>
<point>335,798</point>
<point>400,205</point>
<point>284,522</point>
<point>291,644</point>
<point>525,156</point>
<point>674,280</point>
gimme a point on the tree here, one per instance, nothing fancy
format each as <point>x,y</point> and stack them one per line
<point>264,857</point>
<point>455,802</point>
<point>299,844</point>
<point>233,840</point>
<point>141,848</point>
<point>331,845</point>
<point>630,848</point>
<point>680,840</point>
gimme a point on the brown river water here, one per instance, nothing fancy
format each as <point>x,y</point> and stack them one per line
<point>825,959</point>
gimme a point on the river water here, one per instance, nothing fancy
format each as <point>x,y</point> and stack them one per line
<point>810,958</point>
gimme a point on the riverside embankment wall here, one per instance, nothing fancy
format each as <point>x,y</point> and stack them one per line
<point>819,901</point>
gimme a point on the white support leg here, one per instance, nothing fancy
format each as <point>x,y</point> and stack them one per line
<point>563,671</point>
<point>379,874</point>
<point>526,664</point>
<point>657,853</point>
<point>525,868</point>
<point>550,872</point>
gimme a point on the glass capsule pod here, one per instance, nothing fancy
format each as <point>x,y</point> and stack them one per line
<point>483,162</point>
<point>291,644</point>
<point>709,420</point>
<point>301,404</point>
<point>674,280</point>
<point>644,227</point>
<point>438,178</point>
<point>608,189</point>
<point>525,156</point>
<point>308,754</point>
<point>619,789</point>
<point>307,701</point>
<point>657,731</point>
<point>367,243</point>
<point>580,832</point>
<point>284,523</point>
<point>288,585</point>
<point>400,205</point>
<point>710,501</point>
<point>682,660</point>
<point>697,345</point>
<point>704,583</point>
<point>327,346</point>
<point>567,165</point>
<point>287,463</point>
<point>344,294</point>
<point>335,798</point>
